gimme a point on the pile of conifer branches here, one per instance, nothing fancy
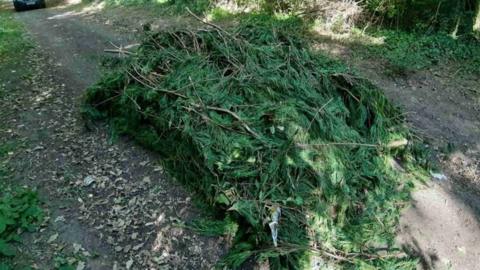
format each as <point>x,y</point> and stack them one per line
<point>284,142</point>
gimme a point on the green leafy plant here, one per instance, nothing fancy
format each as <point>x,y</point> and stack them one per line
<point>212,227</point>
<point>19,212</point>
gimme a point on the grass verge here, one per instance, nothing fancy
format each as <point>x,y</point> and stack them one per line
<point>410,51</point>
<point>19,206</point>
<point>12,40</point>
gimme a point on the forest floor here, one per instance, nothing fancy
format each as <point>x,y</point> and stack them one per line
<point>110,206</point>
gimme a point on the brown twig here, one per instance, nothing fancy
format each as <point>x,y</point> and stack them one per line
<point>349,79</point>
<point>342,256</point>
<point>107,100</point>
<point>302,145</point>
<point>349,92</point>
<point>119,51</point>
<point>155,88</point>
<point>152,82</point>
<point>311,122</point>
<point>206,118</point>
<point>140,81</point>
<point>234,115</point>
<point>393,144</point>
<point>317,113</point>
<point>208,23</point>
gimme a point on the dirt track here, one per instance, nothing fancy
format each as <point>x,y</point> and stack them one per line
<point>111,205</point>
<point>442,226</point>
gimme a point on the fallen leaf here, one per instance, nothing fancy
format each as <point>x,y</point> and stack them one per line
<point>60,219</point>
<point>76,248</point>
<point>80,266</point>
<point>129,264</point>
<point>137,247</point>
<point>52,238</point>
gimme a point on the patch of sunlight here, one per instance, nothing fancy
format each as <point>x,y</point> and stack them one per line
<point>282,16</point>
<point>468,162</point>
<point>62,15</point>
<point>237,6</point>
<point>226,9</point>
<point>161,1</point>
<point>89,9</point>
<point>71,2</point>
<point>351,36</point>
<point>476,26</point>
<point>454,34</point>
<point>218,14</point>
<point>96,6</point>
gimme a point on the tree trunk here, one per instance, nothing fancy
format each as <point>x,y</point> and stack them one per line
<point>476,24</point>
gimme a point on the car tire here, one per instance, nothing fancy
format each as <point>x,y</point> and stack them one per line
<point>17,6</point>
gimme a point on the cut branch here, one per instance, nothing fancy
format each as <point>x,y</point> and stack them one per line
<point>234,115</point>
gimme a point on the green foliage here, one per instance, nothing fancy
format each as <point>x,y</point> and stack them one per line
<point>202,6</point>
<point>11,36</point>
<point>390,8</point>
<point>406,51</point>
<point>211,227</point>
<point>166,6</point>
<point>19,210</point>
<point>446,15</point>
<point>253,120</point>
<point>179,6</point>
